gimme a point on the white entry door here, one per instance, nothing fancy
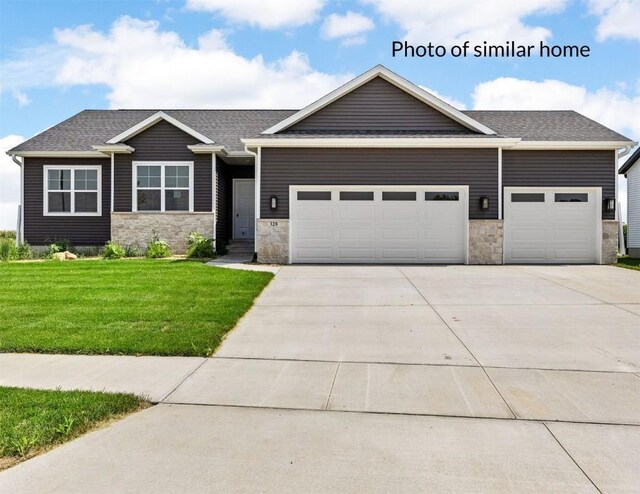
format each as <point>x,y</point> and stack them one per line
<point>378,224</point>
<point>244,191</point>
<point>552,225</point>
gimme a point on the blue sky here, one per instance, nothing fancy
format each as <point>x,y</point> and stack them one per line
<point>61,56</point>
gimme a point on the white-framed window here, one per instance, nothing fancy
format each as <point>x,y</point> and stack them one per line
<point>72,190</point>
<point>162,186</point>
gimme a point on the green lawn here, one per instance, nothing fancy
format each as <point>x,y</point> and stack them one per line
<point>629,263</point>
<point>33,420</point>
<point>134,307</point>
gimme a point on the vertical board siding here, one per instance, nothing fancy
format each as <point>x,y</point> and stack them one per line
<point>561,169</point>
<point>379,105</point>
<point>633,209</point>
<point>282,167</point>
<point>163,142</point>
<point>79,230</point>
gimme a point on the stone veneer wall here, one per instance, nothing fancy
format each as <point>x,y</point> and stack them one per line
<point>486,241</point>
<point>129,228</point>
<point>609,241</point>
<point>272,241</point>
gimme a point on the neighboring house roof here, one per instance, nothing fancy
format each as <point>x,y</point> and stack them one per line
<point>632,160</point>
<point>94,127</point>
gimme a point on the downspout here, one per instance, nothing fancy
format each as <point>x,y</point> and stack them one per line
<point>20,222</point>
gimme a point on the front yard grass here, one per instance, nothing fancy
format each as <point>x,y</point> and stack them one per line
<point>629,263</point>
<point>132,307</point>
<point>34,420</point>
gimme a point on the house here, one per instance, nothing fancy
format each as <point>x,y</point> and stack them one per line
<point>631,170</point>
<point>377,171</point>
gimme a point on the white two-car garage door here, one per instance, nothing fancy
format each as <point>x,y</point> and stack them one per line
<point>378,224</point>
<point>552,225</point>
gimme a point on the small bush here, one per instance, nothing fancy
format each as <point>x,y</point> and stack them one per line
<point>61,245</point>
<point>24,252</point>
<point>8,249</point>
<point>113,251</point>
<point>200,246</point>
<point>133,250</point>
<point>157,249</point>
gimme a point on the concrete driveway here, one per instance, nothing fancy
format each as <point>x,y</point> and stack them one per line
<point>404,379</point>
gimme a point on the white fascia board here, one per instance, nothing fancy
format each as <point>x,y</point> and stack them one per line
<point>58,154</point>
<point>569,145</point>
<point>396,80</point>
<point>206,148</point>
<point>114,148</point>
<point>152,120</point>
<point>400,142</point>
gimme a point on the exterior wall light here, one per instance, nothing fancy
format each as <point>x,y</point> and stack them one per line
<point>610,204</point>
<point>273,202</point>
<point>484,203</point>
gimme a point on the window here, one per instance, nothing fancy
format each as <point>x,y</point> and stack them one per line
<point>314,196</point>
<point>356,196</point>
<point>572,197</point>
<point>527,197</point>
<point>166,186</point>
<point>441,196</point>
<point>72,190</point>
<point>398,196</point>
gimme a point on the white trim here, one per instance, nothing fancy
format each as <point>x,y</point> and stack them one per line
<point>383,142</point>
<point>114,148</point>
<point>615,171</point>
<point>234,181</point>
<point>257,175</point>
<point>21,236</point>
<point>58,154</point>
<point>112,188</point>
<point>598,197</point>
<point>72,191</point>
<point>162,188</point>
<point>499,183</point>
<point>568,145</point>
<point>152,120</point>
<point>396,80</point>
<point>205,148</point>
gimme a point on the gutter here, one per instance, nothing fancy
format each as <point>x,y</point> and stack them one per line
<point>20,220</point>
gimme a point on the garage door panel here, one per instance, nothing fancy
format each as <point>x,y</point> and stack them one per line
<point>553,231</point>
<point>360,226</point>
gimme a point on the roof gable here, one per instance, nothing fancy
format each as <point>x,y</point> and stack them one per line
<point>376,96</point>
<point>152,120</point>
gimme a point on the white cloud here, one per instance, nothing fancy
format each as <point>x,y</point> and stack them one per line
<point>9,183</point>
<point>618,18</point>
<point>613,108</point>
<point>351,27</point>
<point>271,14</point>
<point>21,98</point>
<point>145,67</point>
<point>452,21</point>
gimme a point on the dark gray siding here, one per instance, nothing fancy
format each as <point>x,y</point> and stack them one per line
<point>561,169</point>
<point>163,142</point>
<point>226,174</point>
<point>477,168</point>
<point>378,105</point>
<point>79,230</point>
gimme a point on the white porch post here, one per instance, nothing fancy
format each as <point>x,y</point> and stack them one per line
<point>112,178</point>
<point>257,197</point>
<point>499,183</point>
<point>214,195</point>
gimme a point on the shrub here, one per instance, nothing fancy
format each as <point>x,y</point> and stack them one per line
<point>8,249</point>
<point>113,251</point>
<point>200,246</point>
<point>157,249</point>
<point>133,250</point>
<point>7,234</point>
<point>61,245</point>
<point>24,252</point>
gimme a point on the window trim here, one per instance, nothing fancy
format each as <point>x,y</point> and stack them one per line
<point>72,168</point>
<point>163,188</point>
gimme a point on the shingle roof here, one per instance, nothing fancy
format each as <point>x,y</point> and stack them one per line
<point>227,127</point>
<point>543,125</point>
<point>632,160</point>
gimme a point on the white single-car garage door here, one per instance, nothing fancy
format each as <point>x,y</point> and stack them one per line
<point>378,224</point>
<point>552,225</point>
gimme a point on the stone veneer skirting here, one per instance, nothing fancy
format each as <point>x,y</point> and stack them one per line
<point>609,241</point>
<point>272,241</point>
<point>486,241</point>
<point>173,228</point>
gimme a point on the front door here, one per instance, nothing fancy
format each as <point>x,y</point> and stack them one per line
<point>244,208</point>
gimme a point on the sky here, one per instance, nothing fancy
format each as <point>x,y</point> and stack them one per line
<point>58,57</point>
